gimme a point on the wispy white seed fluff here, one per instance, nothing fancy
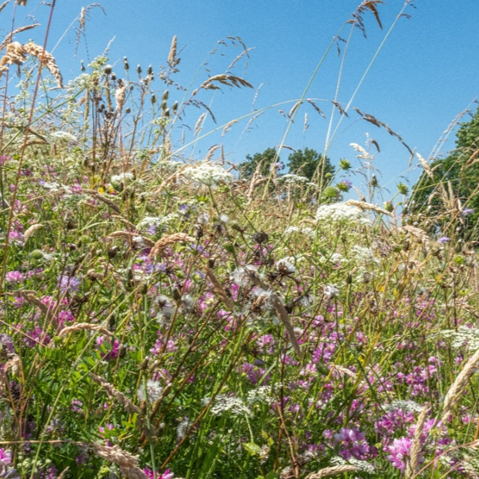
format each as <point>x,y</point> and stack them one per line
<point>151,393</point>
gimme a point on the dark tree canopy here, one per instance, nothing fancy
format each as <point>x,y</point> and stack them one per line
<point>461,170</point>
<point>307,162</point>
<point>265,160</point>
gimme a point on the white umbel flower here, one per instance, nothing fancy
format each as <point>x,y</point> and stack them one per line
<point>206,174</point>
<point>341,213</point>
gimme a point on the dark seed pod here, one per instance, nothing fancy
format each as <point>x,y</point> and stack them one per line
<point>150,70</point>
<point>260,237</point>
<point>108,69</point>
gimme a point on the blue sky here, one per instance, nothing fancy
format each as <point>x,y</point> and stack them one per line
<point>425,74</point>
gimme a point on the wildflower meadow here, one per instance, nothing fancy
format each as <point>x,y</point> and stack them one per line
<point>171,317</point>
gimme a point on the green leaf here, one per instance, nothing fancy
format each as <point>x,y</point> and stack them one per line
<point>252,448</point>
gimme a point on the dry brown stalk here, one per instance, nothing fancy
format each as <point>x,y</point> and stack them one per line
<point>15,364</point>
<point>219,289</point>
<point>16,54</point>
<point>63,473</point>
<point>280,310</point>
<point>172,60</point>
<point>120,96</point>
<point>127,462</point>
<point>368,206</point>
<point>115,394</point>
<point>417,232</point>
<point>4,4</point>
<point>29,232</point>
<point>199,123</point>
<point>255,182</point>
<point>455,391</point>
<point>416,445</point>
<point>124,221</point>
<point>332,471</point>
<point>83,327</point>
<point>166,241</point>
<point>211,151</point>
<point>9,37</point>
<point>32,299</point>
<point>427,169</point>
<point>228,127</point>
<point>103,199</point>
<point>224,79</point>
<point>47,58</point>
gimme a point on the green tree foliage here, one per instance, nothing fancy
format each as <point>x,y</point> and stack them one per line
<point>308,163</point>
<point>263,160</point>
<point>457,173</point>
<point>302,163</point>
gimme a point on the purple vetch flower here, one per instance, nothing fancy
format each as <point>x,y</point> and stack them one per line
<point>352,443</point>
<point>14,277</point>
<point>77,406</point>
<point>68,283</point>
<point>151,475</point>
<point>443,240</point>
<point>108,349</point>
<point>467,211</point>
<point>400,450</point>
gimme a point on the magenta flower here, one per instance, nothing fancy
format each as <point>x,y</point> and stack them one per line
<point>150,475</point>
<point>14,277</point>
<point>399,452</point>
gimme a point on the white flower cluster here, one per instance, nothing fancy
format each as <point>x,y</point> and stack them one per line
<point>156,221</point>
<point>227,404</point>
<point>117,180</point>
<point>151,393</point>
<point>405,405</point>
<point>259,395</point>
<point>307,231</point>
<point>63,135</point>
<point>361,465</point>
<point>341,213</point>
<point>206,174</point>
<point>463,336</point>
<point>291,179</point>
<point>364,255</point>
<point>331,291</point>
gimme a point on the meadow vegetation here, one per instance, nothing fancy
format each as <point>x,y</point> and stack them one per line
<point>162,318</point>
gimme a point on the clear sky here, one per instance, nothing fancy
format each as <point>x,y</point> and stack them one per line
<point>425,74</point>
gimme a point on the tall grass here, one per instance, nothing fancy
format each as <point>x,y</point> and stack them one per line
<point>162,318</point>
